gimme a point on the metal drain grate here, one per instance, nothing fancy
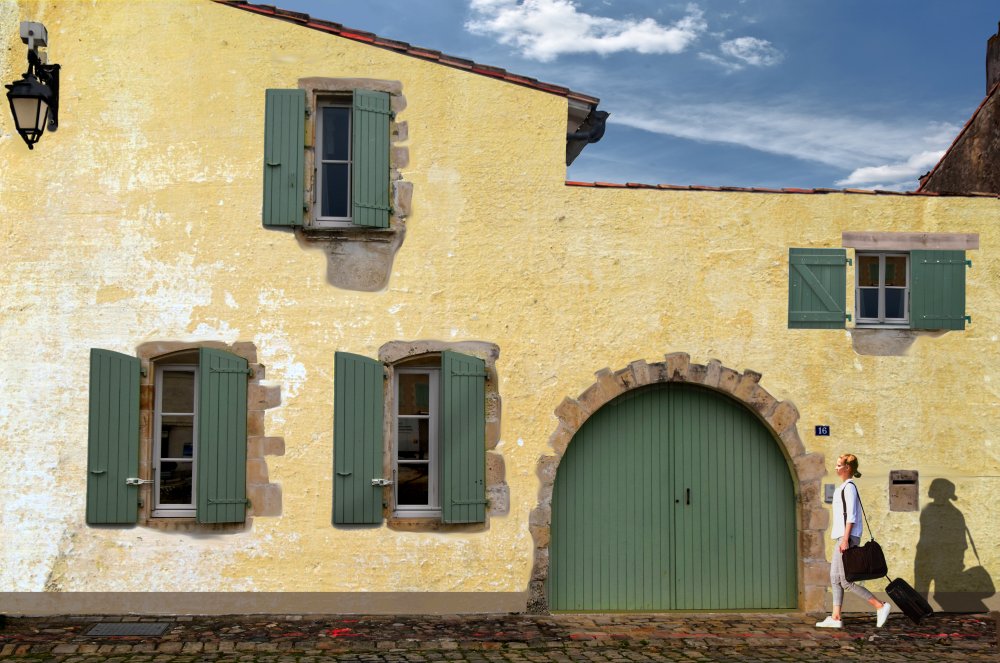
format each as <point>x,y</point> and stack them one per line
<point>129,628</point>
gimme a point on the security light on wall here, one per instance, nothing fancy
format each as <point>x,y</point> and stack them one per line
<point>34,100</point>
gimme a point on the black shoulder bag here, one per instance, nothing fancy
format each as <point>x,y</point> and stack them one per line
<point>865,562</point>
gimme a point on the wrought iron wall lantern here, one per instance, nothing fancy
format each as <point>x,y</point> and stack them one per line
<point>34,100</point>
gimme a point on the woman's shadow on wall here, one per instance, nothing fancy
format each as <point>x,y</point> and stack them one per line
<point>944,538</point>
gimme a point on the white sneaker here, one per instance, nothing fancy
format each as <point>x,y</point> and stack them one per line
<point>830,622</point>
<point>882,614</point>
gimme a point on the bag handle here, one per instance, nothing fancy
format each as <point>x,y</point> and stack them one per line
<point>871,537</point>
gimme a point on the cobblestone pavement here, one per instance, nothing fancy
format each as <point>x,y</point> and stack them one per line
<point>522,638</point>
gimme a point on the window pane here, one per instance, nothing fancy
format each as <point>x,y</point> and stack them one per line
<point>894,303</point>
<point>177,436</point>
<point>178,391</point>
<point>335,190</point>
<point>867,271</point>
<point>175,482</point>
<point>414,393</point>
<point>412,485</point>
<point>868,303</point>
<point>895,271</point>
<point>414,439</point>
<point>336,134</point>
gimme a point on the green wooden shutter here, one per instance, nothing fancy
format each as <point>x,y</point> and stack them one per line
<point>357,439</point>
<point>937,289</point>
<point>113,438</point>
<point>284,157</point>
<point>221,457</point>
<point>370,173</point>
<point>817,291</point>
<point>463,438</point>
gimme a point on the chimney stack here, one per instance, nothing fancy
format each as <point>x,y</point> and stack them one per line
<point>993,61</point>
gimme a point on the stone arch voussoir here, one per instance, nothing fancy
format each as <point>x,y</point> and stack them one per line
<point>781,417</point>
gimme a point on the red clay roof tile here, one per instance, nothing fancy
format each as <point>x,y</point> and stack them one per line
<point>736,189</point>
<point>407,49</point>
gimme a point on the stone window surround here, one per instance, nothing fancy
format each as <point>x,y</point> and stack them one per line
<point>358,258</point>
<point>875,339</point>
<point>497,489</point>
<point>780,417</point>
<point>399,156</point>
<point>264,497</point>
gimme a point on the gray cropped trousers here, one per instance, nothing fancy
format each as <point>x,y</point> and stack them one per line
<point>839,581</point>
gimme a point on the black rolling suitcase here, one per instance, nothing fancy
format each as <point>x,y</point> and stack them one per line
<point>906,599</point>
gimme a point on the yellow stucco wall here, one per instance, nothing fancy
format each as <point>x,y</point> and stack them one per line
<point>139,220</point>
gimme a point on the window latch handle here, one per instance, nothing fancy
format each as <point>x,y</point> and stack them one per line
<point>133,481</point>
<point>381,482</point>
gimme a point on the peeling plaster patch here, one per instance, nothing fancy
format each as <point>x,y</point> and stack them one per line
<point>40,496</point>
<point>520,442</point>
<point>274,298</point>
<point>857,366</point>
<point>454,333</point>
<point>275,351</point>
<point>858,430</point>
<point>187,228</point>
<point>231,301</point>
<point>221,332</point>
<point>395,308</point>
<point>172,562</point>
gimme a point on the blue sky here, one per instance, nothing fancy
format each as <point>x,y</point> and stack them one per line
<point>771,93</point>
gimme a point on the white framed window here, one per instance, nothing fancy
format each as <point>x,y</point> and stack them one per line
<point>882,288</point>
<point>415,460</point>
<point>333,162</point>
<point>175,435</point>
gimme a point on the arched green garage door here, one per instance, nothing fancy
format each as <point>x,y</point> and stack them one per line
<point>673,497</point>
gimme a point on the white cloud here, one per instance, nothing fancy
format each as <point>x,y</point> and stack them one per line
<point>744,51</point>
<point>545,29</point>
<point>893,176</point>
<point>846,142</point>
<point>753,51</point>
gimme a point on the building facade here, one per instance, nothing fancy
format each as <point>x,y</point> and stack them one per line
<point>297,313</point>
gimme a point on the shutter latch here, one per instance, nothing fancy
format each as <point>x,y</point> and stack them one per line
<point>135,481</point>
<point>381,482</point>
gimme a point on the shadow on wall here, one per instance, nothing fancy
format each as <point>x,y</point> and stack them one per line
<point>944,539</point>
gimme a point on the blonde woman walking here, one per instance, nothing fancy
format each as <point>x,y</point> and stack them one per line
<point>847,531</point>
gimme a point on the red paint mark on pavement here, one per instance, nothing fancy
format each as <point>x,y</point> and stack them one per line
<point>341,633</point>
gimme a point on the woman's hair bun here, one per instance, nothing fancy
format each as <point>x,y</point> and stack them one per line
<point>857,475</point>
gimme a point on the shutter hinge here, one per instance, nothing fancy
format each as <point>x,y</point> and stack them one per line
<point>968,319</point>
<point>132,481</point>
<point>247,371</point>
<point>143,372</point>
<point>237,501</point>
<point>847,316</point>
<point>968,263</point>
<point>849,261</point>
<point>462,374</point>
<point>463,502</point>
